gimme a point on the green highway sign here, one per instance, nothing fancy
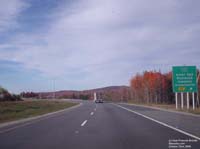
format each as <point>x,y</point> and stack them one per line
<point>184,78</point>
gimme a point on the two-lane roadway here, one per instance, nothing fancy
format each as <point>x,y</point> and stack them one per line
<point>107,126</point>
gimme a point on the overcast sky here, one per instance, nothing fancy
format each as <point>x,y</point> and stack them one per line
<point>82,44</point>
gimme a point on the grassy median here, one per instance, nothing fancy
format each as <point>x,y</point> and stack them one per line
<point>10,111</point>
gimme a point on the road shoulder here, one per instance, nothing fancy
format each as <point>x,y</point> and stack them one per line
<point>25,120</point>
<point>162,109</point>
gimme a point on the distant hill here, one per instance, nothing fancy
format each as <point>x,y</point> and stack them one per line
<point>114,93</point>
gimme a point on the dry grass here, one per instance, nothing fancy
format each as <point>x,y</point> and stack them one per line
<point>169,107</point>
<point>22,109</point>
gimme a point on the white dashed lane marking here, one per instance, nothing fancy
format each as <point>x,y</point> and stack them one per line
<point>84,123</point>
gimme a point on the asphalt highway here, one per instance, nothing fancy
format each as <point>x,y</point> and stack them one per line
<point>105,126</point>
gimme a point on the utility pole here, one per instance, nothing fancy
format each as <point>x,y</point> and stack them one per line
<point>54,91</point>
<point>198,89</point>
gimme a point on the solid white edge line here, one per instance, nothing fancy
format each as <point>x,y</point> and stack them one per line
<point>84,123</point>
<point>161,123</point>
<point>161,109</point>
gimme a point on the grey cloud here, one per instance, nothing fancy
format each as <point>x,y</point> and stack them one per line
<point>9,13</point>
<point>113,39</point>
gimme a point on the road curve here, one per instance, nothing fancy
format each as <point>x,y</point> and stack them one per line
<point>95,126</point>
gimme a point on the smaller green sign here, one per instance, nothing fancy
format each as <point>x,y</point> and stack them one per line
<point>184,79</point>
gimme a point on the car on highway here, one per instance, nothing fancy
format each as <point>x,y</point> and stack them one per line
<point>99,101</point>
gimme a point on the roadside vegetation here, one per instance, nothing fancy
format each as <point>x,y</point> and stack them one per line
<point>153,88</point>
<point>167,107</point>
<point>23,109</point>
<point>6,96</point>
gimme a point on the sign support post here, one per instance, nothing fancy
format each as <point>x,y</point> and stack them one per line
<point>176,94</point>
<point>182,100</point>
<point>193,103</point>
<point>188,104</point>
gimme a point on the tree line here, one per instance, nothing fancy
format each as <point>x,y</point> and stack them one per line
<point>148,87</point>
<point>6,96</point>
<point>153,87</point>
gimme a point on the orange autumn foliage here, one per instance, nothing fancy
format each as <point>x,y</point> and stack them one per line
<point>152,86</point>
